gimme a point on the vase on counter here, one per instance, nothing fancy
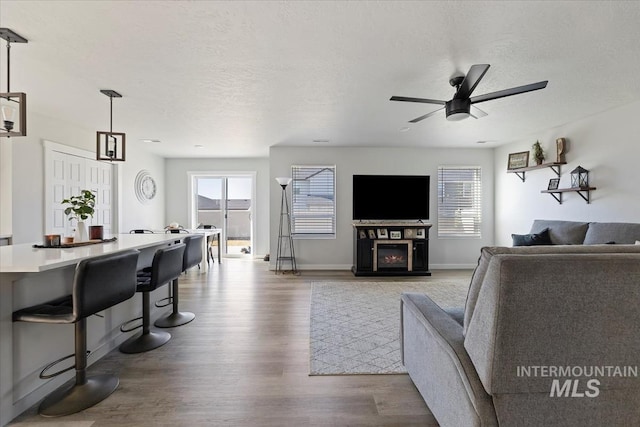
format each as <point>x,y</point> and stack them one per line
<point>96,232</point>
<point>80,234</point>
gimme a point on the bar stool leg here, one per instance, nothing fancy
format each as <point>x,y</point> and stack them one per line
<point>86,392</point>
<point>176,318</point>
<point>147,339</point>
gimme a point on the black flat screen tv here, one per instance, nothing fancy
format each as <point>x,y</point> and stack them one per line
<point>390,197</point>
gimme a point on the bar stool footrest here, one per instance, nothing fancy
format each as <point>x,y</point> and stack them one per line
<point>164,302</point>
<point>44,376</point>
<point>124,328</point>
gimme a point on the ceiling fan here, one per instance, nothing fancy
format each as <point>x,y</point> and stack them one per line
<point>461,105</point>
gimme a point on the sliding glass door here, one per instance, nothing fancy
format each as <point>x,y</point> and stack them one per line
<point>225,202</point>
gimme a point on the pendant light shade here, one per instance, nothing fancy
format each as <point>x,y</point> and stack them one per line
<point>110,145</point>
<point>13,105</point>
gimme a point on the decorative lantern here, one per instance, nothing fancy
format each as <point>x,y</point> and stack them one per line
<point>13,105</point>
<point>579,178</point>
<point>110,145</point>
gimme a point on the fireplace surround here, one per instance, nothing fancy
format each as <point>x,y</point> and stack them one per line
<point>391,248</point>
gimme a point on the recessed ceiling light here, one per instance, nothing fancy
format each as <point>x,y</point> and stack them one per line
<point>320,140</point>
<point>481,142</point>
<point>156,141</point>
<point>404,129</point>
<point>199,146</point>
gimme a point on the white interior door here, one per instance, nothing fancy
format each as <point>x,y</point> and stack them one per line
<point>66,174</point>
<point>99,181</point>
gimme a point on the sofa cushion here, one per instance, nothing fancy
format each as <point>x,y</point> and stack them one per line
<point>526,315</point>
<point>532,239</point>
<point>486,253</point>
<point>617,232</point>
<point>562,232</point>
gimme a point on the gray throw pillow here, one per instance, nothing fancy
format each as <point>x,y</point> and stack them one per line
<point>532,239</point>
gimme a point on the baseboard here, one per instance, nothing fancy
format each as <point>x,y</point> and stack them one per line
<point>452,266</point>
<point>347,267</point>
<point>272,267</point>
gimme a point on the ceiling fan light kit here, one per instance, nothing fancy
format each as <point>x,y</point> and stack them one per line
<point>457,109</point>
<point>461,105</point>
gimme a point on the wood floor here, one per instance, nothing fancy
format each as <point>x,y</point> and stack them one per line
<point>244,361</point>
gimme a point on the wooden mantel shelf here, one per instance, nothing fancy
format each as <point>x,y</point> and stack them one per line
<point>554,166</point>
<point>583,192</point>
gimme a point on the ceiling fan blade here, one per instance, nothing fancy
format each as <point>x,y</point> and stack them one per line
<point>422,100</point>
<point>416,120</point>
<point>508,92</point>
<point>476,113</point>
<point>471,80</point>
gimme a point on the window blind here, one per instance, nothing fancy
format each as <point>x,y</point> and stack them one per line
<point>313,210</point>
<point>459,201</point>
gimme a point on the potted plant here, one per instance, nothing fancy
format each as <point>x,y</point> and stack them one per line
<point>80,208</point>
<point>538,153</point>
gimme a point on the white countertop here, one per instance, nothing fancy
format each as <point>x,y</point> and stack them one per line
<point>24,258</point>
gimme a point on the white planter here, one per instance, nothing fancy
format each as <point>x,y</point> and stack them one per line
<point>81,233</point>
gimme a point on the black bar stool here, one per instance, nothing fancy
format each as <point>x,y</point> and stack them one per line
<point>166,266</point>
<point>98,283</point>
<point>192,257</point>
<point>140,231</point>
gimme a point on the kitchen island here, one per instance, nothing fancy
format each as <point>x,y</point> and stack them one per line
<point>30,276</point>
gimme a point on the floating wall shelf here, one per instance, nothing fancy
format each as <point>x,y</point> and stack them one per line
<point>554,166</point>
<point>584,192</point>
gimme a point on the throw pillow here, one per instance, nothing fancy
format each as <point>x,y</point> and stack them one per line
<point>637,242</point>
<point>533,239</point>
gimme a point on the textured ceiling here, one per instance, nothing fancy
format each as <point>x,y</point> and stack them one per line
<point>238,77</point>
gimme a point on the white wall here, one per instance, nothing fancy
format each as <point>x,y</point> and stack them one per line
<point>607,144</point>
<point>132,213</point>
<point>338,253</point>
<point>27,173</point>
<point>178,191</point>
<point>5,185</point>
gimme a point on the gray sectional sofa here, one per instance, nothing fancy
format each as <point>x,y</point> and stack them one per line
<point>588,233</point>
<point>535,316</point>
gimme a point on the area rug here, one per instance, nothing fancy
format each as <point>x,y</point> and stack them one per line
<point>355,326</point>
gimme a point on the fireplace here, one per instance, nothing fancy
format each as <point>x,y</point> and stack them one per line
<point>392,255</point>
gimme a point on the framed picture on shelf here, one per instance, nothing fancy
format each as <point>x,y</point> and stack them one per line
<point>372,234</point>
<point>397,234</point>
<point>362,234</point>
<point>382,233</point>
<point>409,233</point>
<point>553,184</point>
<point>518,160</point>
<point>420,233</point>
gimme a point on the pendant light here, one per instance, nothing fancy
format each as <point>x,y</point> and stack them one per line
<point>13,104</point>
<point>110,145</point>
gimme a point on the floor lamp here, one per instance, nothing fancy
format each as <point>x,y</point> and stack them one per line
<point>285,241</point>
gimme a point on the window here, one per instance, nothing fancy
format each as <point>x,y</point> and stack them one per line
<point>313,209</point>
<point>459,201</point>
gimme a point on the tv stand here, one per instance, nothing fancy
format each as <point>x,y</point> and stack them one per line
<point>391,249</point>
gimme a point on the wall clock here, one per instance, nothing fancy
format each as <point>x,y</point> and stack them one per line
<point>145,186</point>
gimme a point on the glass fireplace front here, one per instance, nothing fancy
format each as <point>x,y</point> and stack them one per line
<point>392,256</point>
